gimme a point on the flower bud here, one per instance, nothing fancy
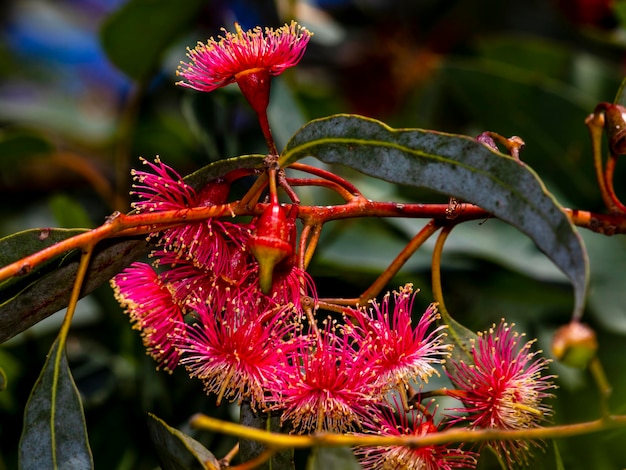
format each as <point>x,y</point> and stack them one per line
<point>615,116</point>
<point>574,344</point>
<point>271,243</point>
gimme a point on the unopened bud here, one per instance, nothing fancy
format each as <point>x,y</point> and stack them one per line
<point>615,122</point>
<point>575,344</point>
<point>271,243</point>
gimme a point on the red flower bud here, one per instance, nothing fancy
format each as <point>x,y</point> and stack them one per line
<point>575,344</point>
<point>271,243</point>
<point>615,116</point>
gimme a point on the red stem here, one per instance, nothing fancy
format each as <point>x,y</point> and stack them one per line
<point>609,171</point>
<point>340,190</point>
<point>120,225</point>
<point>328,176</point>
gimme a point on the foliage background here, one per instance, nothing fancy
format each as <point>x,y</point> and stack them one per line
<point>87,86</point>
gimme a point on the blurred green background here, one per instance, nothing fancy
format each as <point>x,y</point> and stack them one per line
<point>87,86</point>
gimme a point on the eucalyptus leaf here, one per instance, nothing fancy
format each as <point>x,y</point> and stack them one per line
<point>205,174</point>
<point>29,298</point>
<point>159,23</point>
<point>454,165</point>
<point>325,458</point>
<point>176,450</point>
<point>54,434</point>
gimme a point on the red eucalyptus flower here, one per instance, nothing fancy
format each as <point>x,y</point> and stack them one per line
<point>503,388</point>
<point>249,58</point>
<point>149,303</point>
<point>219,63</point>
<point>199,262</point>
<point>390,422</point>
<point>327,385</point>
<point>237,352</point>
<point>207,243</point>
<point>399,351</point>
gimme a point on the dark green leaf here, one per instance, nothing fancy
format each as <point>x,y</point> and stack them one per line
<point>201,177</point>
<point>3,380</point>
<point>28,299</point>
<point>176,450</point>
<point>453,165</point>
<point>325,458</point>
<point>135,35</point>
<point>54,434</point>
<point>248,450</point>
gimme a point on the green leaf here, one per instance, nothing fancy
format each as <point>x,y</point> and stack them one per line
<point>176,450</point>
<point>54,434</point>
<point>453,165</point>
<point>29,298</point>
<point>324,458</point>
<point>3,380</point>
<point>135,36</point>
<point>205,174</point>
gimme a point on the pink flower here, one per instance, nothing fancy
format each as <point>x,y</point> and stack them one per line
<point>503,388</point>
<point>327,385</point>
<point>400,352</point>
<point>149,303</point>
<point>209,243</point>
<point>392,422</point>
<point>160,190</point>
<point>236,351</point>
<point>233,346</point>
<point>217,63</point>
